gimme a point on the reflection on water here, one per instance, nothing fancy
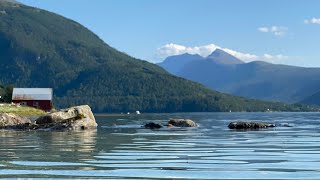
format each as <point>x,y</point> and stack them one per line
<point>44,146</point>
<point>120,148</point>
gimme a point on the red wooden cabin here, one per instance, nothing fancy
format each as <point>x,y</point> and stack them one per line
<point>40,98</point>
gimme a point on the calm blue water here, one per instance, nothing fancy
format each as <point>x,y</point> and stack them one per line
<point>121,149</point>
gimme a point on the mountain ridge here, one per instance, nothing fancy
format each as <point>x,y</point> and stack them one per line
<point>170,62</point>
<point>222,57</point>
<point>256,79</point>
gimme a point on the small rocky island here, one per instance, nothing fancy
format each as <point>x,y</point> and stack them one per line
<point>249,125</point>
<point>172,123</point>
<point>78,117</point>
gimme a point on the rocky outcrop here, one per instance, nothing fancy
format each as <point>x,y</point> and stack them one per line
<point>79,117</point>
<point>249,125</point>
<point>9,120</point>
<point>182,123</point>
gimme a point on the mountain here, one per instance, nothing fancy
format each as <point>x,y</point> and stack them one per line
<point>258,80</point>
<point>221,57</point>
<point>42,49</point>
<point>173,64</point>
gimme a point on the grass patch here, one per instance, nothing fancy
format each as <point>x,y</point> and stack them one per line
<point>24,110</point>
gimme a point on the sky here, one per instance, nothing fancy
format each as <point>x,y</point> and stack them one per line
<point>276,31</point>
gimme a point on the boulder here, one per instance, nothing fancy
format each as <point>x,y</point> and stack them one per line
<point>9,120</point>
<point>78,117</point>
<point>152,125</point>
<point>182,123</point>
<point>249,125</point>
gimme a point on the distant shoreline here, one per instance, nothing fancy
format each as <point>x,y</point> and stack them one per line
<point>117,114</point>
<point>106,114</point>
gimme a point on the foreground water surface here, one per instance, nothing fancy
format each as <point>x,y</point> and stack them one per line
<point>121,149</point>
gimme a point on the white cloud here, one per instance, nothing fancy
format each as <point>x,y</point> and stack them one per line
<point>274,58</point>
<point>205,50</point>
<point>312,21</point>
<point>263,29</point>
<point>275,30</point>
<point>240,55</point>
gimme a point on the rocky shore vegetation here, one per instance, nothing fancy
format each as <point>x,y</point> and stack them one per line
<point>21,110</point>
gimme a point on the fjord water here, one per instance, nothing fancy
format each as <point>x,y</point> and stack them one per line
<point>121,149</point>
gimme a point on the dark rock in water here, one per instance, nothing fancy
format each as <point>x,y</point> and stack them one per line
<point>152,125</point>
<point>9,120</point>
<point>172,123</point>
<point>249,125</point>
<point>79,117</point>
<point>182,123</point>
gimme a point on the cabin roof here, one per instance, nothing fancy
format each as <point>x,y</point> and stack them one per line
<point>32,94</point>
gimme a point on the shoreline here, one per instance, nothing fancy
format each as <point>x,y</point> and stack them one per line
<point>117,114</point>
<point>111,114</point>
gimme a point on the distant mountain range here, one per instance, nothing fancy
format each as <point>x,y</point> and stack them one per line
<point>43,49</point>
<point>260,80</point>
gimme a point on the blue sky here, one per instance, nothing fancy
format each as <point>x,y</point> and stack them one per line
<point>278,31</point>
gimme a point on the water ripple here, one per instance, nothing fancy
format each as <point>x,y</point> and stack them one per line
<point>121,149</point>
